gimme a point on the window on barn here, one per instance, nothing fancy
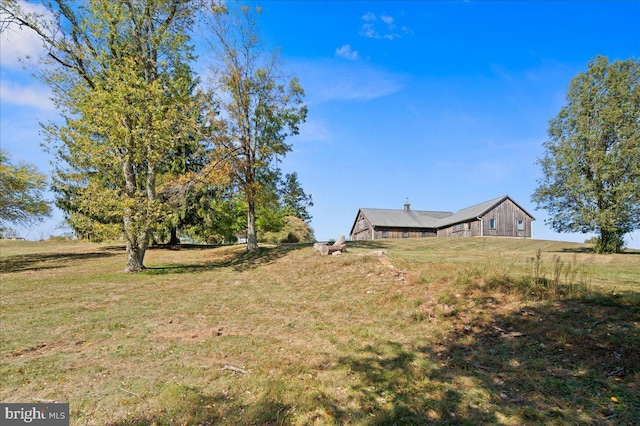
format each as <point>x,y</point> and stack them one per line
<point>385,234</point>
<point>520,225</point>
<point>405,235</point>
<point>492,224</point>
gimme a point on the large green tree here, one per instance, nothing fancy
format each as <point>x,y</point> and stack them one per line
<point>259,108</point>
<point>21,188</point>
<point>591,167</point>
<point>118,70</point>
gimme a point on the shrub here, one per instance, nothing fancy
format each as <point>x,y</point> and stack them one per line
<point>295,230</point>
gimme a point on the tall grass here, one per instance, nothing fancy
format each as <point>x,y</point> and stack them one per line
<point>539,278</point>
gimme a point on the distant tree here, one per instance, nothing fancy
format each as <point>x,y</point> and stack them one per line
<point>591,168</point>
<point>21,188</point>
<point>259,108</point>
<point>119,72</point>
<point>293,198</point>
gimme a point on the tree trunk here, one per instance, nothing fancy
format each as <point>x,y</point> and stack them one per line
<point>252,234</point>
<point>135,245</point>
<point>135,257</point>
<point>174,240</point>
<point>136,235</point>
<point>610,241</point>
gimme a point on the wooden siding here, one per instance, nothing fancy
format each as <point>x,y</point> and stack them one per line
<point>464,229</point>
<point>361,228</point>
<point>382,233</point>
<point>506,216</point>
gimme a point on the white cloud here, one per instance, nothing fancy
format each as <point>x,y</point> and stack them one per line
<point>21,42</point>
<point>18,44</point>
<point>369,16</point>
<point>332,80</point>
<point>347,52</point>
<point>386,30</point>
<point>388,20</point>
<point>31,96</point>
<point>369,31</point>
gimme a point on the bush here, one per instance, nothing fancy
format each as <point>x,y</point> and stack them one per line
<point>67,236</point>
<point>295,230</point>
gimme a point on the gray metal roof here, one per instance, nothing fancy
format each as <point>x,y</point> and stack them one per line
<point>470,212</point>
<point>404,219</point>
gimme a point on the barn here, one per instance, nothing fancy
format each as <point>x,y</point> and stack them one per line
<point>500,217</point>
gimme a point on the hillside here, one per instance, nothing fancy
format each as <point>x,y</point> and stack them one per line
<point>442,331</point>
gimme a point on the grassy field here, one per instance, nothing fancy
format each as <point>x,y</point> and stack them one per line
<point>439,331</point>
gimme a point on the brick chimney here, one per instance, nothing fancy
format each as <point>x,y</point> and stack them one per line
<point>407,206</point>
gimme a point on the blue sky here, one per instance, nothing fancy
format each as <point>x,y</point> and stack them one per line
<point>444,103</point>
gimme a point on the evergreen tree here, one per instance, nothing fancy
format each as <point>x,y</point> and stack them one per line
<point>294,200</point>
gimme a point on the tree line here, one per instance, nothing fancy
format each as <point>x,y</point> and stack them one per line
<point>144,148</point>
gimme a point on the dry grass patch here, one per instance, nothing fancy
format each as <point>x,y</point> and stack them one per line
<point>437,331</point>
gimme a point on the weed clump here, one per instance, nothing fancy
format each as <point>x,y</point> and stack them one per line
<point>541,280</point>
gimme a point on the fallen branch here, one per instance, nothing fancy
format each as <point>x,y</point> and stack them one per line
<point>513,334</point>
<point>481,367</point>
<point>616,371</point>
<point>236,369</point>
<point>134,394</point>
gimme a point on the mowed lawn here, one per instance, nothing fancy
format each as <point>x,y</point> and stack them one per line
<point>424,331</point>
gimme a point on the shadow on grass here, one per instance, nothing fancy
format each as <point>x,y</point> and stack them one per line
<point>183,405</point>
<point>576,250</point>
<point>186,405</point>
<point>39,261</point>
<point>239,261</point>
<point>369,244</point>
<point>395,385</point>
<point>568,362</point>
<point>591,250</point>
<point>572,362</point>
<point>185,246</point>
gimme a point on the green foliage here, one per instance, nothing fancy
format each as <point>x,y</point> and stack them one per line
<point>120,76</point>
<point>259,110</point>
<point>187,185</point>
<point>142,152</point>
<point>294,200</point>
<point>21,188</point>
<point>218,215</point>
<point>591,167</point>
<point>294,230</point>
<point>610,242</point>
